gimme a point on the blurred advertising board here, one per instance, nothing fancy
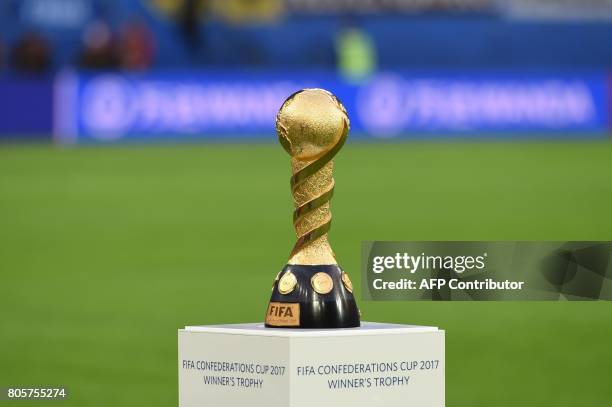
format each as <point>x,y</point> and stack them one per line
<point>223,106</point>
<point>26,107</point>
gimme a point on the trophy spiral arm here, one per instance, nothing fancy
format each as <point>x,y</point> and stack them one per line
<point>313,203</point>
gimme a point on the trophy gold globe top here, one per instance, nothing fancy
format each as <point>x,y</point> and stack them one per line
<point>310,123</point>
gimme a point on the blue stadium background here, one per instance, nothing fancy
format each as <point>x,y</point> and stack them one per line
<point>421,53</point>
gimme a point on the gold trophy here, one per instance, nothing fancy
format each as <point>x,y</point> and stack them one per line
<point>312,291</point>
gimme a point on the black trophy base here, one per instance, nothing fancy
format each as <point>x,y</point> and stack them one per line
<point>312,297</point>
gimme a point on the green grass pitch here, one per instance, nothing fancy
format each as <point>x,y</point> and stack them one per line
<point>106,251</point>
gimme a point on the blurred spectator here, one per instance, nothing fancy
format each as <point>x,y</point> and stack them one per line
<point>188,19</point>
<point>137,48</point>
<point>356,53</point>
<point>31,54</point>
<point>99,50</point>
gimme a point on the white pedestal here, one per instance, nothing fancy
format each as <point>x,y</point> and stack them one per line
<point>248,365</point>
